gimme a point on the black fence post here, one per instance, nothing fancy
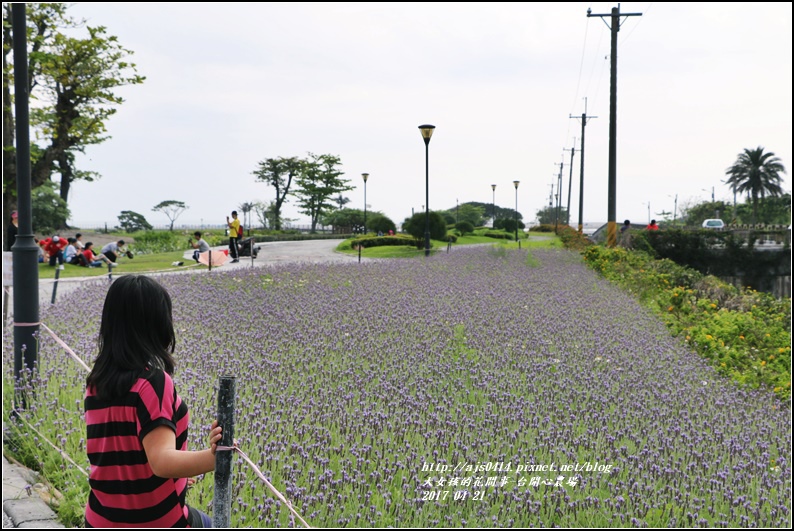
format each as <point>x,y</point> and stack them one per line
<point>55,285</point>
<point>222,503</point>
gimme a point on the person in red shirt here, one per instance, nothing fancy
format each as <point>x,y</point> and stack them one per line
<point>88,259</point>
<point>54,247</point>
<point>652,225</point>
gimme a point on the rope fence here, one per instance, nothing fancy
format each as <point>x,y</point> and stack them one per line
<point>19,414</point>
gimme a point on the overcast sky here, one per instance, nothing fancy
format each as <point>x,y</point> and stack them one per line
<point>228,85</point>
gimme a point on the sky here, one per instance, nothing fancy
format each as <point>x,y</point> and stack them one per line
<point>229,85</point>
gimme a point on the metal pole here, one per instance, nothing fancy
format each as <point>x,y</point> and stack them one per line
<point>515,183</point>
<point>581,174</point>
<point>493,206</point>
<point>558,201</point>
<point>427,197</point>
<point>570,184</point>
<point>24,251</point>
<point>222,503</point>
<point>55,285</point>
<point>427,132</point>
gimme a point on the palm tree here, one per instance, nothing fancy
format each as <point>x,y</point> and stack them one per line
<point>756,173</point>
<point>246,208</point>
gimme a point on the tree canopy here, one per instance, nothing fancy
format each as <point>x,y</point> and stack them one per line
<point>278,172</point>
<point>319,180</point>
<point>415,226</point>
<point>72,80</point>
<point>756,174</point>
<point>130,221</point>
<point>172,210</point>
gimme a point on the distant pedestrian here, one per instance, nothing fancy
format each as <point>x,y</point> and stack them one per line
<point>652,225</point>
<point>234,236</point>
<point>625,235</point>
<point>13,229</point>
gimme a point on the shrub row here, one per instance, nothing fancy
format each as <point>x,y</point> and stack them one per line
<point>377,241</point>
<point>744,333</point>
<point>498,235</point>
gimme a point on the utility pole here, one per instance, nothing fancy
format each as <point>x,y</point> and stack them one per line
<point>615,15</point>
<point>559,200</point>
<point>581,166</point>
<point>570,183</point>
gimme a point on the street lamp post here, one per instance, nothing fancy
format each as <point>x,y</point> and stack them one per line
<point>365,176</point>
<point>493,206</point>
<point>716,212</point>
<point>427,132</point>
<point>515,183</point>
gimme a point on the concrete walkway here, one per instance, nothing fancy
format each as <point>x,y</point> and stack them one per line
<point>23,503</point>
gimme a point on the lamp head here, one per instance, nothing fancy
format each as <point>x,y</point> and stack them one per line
<point>427,132</point>
<point>515,183</point>
<point>365,176</point>
<point>493,187</point>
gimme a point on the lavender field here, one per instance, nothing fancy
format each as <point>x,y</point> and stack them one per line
<point>441,392</point>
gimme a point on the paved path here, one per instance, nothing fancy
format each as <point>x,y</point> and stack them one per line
<point>23,505</point>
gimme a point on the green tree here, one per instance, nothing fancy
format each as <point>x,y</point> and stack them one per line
<point>347,219</point>
<point>465,227</point>
<point>470,212</point>
<point>172,210</point>
<point>489,209</point>
<point>265,213</point>
<point>279,173</point>
<point>72,80</point>
<point>377,222</point>
<point>757,174</point>
<point>131,221</point>
<point>246,209</point>
<point>697,213</point>
<point>318,181</point>
<point>548,215</point>
<point>509,224</point>
<point>415,226</point>
<point>772,211</point>
<point>341,201</point>
<point>50,212</point>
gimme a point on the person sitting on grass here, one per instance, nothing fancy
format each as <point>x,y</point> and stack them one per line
<point>89,259</point>
<point>70,253</point>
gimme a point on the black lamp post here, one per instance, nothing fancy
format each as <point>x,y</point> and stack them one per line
<point>493,206</point>
<point>515,183</point>
<point>365,176</point>
<point>427,132</point>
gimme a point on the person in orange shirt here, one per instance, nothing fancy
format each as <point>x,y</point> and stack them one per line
<point>652,225</point>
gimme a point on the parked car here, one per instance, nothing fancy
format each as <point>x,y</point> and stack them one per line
<point>717,224</point>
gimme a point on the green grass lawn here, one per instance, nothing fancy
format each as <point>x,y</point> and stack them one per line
<point>143,263</point>
<point>535,241</point>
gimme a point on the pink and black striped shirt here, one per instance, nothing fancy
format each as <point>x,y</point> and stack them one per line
<point>124,490</point>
